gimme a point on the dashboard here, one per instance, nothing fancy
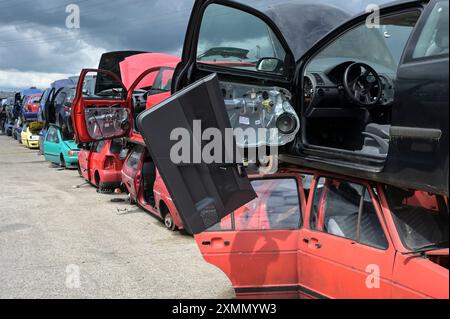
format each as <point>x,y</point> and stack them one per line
<point>325,89</point>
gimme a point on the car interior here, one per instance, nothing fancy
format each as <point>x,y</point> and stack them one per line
<point>419,223</point>
<point>340,209</point>
<point>148,179</point>
<point>349,87</point>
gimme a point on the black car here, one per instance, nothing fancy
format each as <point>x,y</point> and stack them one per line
<point>369,99</point>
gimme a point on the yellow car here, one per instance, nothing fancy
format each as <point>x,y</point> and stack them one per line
<point>30,134</point>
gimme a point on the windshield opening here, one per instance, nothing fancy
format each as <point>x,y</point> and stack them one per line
<point>421,218</point>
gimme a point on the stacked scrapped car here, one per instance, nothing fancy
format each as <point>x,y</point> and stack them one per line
<point>239,71</point>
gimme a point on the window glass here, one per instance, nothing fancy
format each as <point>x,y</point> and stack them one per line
<point>421,218</point>
<point>60,98</point>
<point>99,147</point>
<point>50,135</point>
<point>163,81</point>
<point>233,38</point>
<point>276,208</point>
<point>381,47</point>
<point>433,40</point>
<point>116,146</point>
<point>336,211</point>
<point>134,159</point>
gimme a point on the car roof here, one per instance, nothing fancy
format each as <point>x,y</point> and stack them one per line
<point>303,24</point>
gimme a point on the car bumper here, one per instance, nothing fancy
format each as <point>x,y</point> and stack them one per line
<point>33,143</point>
<point>30,116</point>
<point>71,161</point>
<point>110,179</point>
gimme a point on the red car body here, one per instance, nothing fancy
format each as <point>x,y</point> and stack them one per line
<point>268,255</point>
<point>157,200</point>
<point>32,103</point>
<point>160,203</point>
<point>100,164</point>
<point>102,168</point>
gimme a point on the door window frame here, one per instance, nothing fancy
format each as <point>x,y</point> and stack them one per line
<point>375,202</point>
<point>289,59</point>
<point>302,207</point>
<point>408,56</point>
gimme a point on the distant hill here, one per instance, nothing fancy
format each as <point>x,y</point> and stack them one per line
<point>5,94</point>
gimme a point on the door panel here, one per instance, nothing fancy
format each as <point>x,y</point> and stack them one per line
<point>203,193</point>
<point>100,115</point>
<point>345,253</point>
<point>420,115</point>
<point>256,247</point>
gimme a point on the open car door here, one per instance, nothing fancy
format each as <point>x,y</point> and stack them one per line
<point>100,114</point>
<point>353,103</point>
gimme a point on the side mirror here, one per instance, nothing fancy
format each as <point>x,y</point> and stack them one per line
<point>123,154</point>
<point>269,65</point>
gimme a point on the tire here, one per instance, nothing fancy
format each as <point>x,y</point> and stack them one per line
<point>62,161</point>
<point>169,222</point>
<point>97,179</point>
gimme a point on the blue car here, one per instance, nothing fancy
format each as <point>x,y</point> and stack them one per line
<point>60,149</point>
<point>63,107</point>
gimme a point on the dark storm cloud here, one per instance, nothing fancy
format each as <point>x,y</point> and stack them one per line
<point>34,38</point>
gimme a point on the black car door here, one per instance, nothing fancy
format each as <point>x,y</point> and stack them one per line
<point>419,136</point>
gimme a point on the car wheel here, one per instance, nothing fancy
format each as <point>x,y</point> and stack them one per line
<point>62,161</point>
<point>169,222</point>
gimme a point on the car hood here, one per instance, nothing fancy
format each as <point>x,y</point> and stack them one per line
<point>35,126</point>
<point>132,67</point>
<point>71,145</point>
<point>303,24</point>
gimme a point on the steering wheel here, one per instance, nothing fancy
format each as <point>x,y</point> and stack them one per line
<point>363,84</point>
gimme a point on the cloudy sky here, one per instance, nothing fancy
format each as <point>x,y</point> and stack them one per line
<point>37,48</point>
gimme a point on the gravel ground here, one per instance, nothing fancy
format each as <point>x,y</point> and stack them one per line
<point>59,238</point>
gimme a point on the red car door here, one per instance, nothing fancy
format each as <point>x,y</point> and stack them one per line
<point>130,168</point>
<point>83,160</point>
<point>95,162</point>
<point>256,246</point>
<point>345,250</point>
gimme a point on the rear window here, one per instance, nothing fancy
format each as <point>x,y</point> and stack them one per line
<point>421,218</point>
<point>116,146</point>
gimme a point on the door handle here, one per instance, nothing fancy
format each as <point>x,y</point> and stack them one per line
<point>216,242</point>
<point>312,242</point>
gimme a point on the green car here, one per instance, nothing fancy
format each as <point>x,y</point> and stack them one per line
<point>60,148</point>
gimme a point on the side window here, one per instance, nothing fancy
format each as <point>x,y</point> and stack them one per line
<point>236,39</point>
<point>163,81</point>
<point>345,209</point>
<point>55,136</point>
<point>116,146</point>
<point>434,37</point>
<point>61,98</point>
<point>134,159</point>
<point>50,134</point>
<point>98,148</point>
<point>276,208</point>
